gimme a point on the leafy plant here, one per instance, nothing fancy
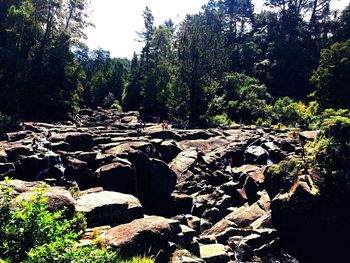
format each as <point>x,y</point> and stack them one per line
<point>29,232</point>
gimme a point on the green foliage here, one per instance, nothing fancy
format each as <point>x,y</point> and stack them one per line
<point>332,77</point>
<point>333,145</point>
<point>221,120</point>
<point>116,106</point>
<point>281,177</point>
<point>29,232</point>
<point>291,113</point>
<point>247,99</point>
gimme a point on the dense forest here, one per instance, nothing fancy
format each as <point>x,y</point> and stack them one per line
<point>225,64</point>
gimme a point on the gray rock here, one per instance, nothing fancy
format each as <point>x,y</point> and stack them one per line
<point>109,208</point>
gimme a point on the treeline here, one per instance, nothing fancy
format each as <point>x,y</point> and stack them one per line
<point>45,70</point>
<point>224,63</point>
<point>229,63</point>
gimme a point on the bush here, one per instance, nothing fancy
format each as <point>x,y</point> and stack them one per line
<point>116,105</point>
<point>247,99</point>
<point>29,232</point>
<point>281,177</point>
<point>333,144</point>
<point>221,120</point>
<point>292,113</point>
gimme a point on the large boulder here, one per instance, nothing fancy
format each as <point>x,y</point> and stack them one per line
<point>183,162</point>
<point>58,198</point>
<point>117,176</point>
<point>146,236</point>
<point>30,167</point>
<point>20,186</point>
<point>296,210</point>
<point>79,141</point>
<point>109,208</point>
<point>181,203</point>
<point>79,172</point>
<point>168,150</point>
<point>244,216</point>
<point>256,155</point>
<point>155,182</point>
<point>16,150</point>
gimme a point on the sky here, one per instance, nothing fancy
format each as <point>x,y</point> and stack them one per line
<point>117,21</point>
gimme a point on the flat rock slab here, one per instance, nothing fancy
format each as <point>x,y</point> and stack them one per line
<point>308,135</point>
<point>214,253</point>
<point>109,208</point>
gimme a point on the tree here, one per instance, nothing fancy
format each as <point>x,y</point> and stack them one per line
<point>38,75</point>
<point>132,93</point>
<point>202,59</point>
<point>332,77</point>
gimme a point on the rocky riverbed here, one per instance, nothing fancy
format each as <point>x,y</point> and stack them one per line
<point>178,195</point>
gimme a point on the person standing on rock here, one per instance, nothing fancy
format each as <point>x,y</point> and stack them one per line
<point>138,126</point>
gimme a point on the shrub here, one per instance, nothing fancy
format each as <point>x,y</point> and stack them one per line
<point>221,120</point>
<point>281,177</point>
<point>29,232</point>
<point>116,105</point>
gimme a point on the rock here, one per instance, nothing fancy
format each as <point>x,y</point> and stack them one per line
<point>109,208</point>
<point>168,150</point>
<point>182,203</point>
<point>246,168</point>
<point>193,222</point>
<point>244,216</point>
<point>184,256</point>
<point>164,134</point>
<point>6,168</point>
<point>183,162</point>
<point>3,156</point>
<point>79,172</point>
<point>258,177</point>
<point>156,181</point>
<point>79,141</point>
<point>188,233</point>
<point>196,135</point>
<point>308,135</point>
<point>279,178</point>
<point>58,199</point>
<point>231,154</point>
<point>16,136</point>
<point>274,151</point>
<point>256,155</point>
<point>30,167</point>
<point>220,228</point>
<point>130,147</point>
<point>263,222</point>
<point>20,186</point>
<point>59,146</point>
<point>52,172</point>
<point>260,238</point>
<point>214,253</point>
<point>17,150</point>
<point>87,112</point>
<point>229,188</point>
<point>117,176</point>
<point>146,236</point>
<point>297,210</point>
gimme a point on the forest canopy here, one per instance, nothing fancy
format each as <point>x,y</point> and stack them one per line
<point>223,64</point>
